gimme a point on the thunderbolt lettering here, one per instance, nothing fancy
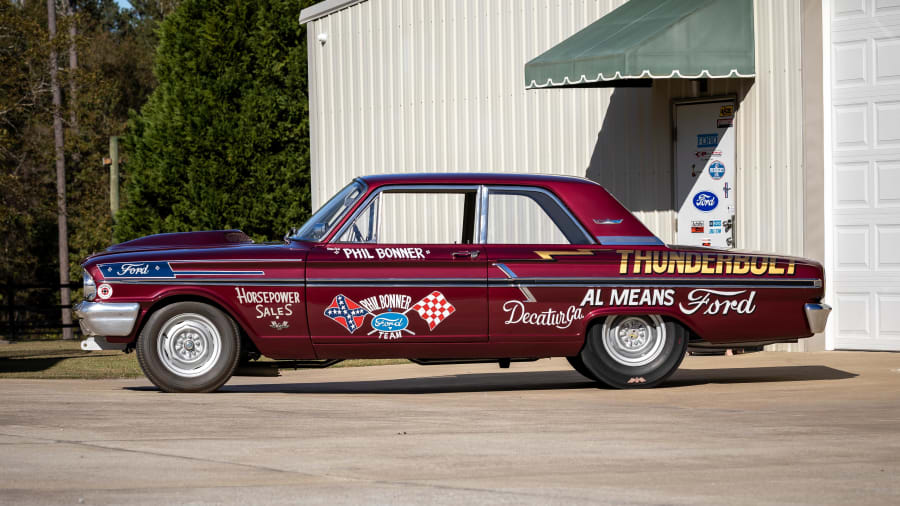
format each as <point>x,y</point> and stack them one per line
<point>683,262</point>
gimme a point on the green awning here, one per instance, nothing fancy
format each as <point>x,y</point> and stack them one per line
<point>653,39</point>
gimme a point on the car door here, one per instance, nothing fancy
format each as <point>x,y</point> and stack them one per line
<point>532,297</point>
<point>405,268</point>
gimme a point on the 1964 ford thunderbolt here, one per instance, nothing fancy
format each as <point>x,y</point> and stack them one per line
<point>442,268</point>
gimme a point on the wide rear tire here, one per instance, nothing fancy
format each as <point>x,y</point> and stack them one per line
<point>189,347</point>
<point>634,351</point>
<point>579,366</point>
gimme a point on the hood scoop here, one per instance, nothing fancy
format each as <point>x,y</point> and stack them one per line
<point>205,239</point>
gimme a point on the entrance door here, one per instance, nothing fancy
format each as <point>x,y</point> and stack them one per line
<point>705,173</point>
<point>391,279</point>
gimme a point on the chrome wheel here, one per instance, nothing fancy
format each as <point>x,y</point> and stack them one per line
<point>634,340</point>
<point>189,345</point>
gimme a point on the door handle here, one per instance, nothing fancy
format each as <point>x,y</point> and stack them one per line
<point>471,254</point>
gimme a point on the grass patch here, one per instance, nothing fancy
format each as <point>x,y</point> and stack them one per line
<point>66,360</point>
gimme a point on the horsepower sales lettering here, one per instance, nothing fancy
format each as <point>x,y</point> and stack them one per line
<point>269,303</point>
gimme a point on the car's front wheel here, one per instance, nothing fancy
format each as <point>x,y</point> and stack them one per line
<point>634,351</point>
<point>189,347</point>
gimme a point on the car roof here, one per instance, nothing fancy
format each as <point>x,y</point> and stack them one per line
<point>471,178</point>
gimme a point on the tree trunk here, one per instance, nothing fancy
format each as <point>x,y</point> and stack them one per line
<point>64,295</point>
<point>73,66</point>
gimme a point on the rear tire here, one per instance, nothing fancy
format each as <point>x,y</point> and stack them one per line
<point>634,351</point>
<point>189,347</point>
<point>582,369</point>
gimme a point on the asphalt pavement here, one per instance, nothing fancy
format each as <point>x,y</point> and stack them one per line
<point>764,428</point>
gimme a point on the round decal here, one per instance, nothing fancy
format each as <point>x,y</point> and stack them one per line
<point>716,170</point>
<point>390,322</point>
<point>706,201</point>
<point>104,291</point>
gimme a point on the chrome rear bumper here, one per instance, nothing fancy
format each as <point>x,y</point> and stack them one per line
<point>817,316</point>
<point>107,319</point>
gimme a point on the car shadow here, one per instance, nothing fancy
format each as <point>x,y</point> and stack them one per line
<point>691,377</point>
<point>540,380</point>
<point>17,364</point>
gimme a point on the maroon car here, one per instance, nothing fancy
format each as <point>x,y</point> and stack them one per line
<point>439,268</point>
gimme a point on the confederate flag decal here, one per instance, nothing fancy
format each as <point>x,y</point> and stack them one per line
<point>346,313</point>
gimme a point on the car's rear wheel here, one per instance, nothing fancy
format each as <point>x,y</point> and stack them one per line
<point>579,366</point>
<point>634,351</point>
<point>189,347</point>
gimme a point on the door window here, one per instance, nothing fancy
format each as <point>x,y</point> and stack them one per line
<point>415,217</point>
<point>529,216</point>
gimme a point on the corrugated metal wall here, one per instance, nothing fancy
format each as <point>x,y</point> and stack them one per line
<point>437,85</point>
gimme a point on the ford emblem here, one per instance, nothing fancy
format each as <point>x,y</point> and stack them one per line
<point>390,322</point>
<point>706,201</point>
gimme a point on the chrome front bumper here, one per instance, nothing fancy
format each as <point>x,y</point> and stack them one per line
<point>817,316</point>
<point>107,319</point>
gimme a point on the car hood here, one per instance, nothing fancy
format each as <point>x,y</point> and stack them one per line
<point>182,240</point>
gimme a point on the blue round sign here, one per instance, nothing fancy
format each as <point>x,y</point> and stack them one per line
<point>706,201</point>
<point>390,322</point>
<point>717,170</point>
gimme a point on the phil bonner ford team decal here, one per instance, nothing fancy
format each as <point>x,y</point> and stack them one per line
<point>389,313</point>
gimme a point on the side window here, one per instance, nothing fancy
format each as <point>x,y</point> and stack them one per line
<point>523,216</point>
<point>415,217</point>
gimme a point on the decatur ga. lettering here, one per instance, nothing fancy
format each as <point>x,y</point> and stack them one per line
<point>671,262</point>
<point>385,253</point>
<point>133,270</point>
<point>268,303</point>
<point>516,313</point>
<point>710,302</point>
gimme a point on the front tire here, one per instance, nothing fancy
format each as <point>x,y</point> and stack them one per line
<point>634,351</point>
<point>189,347</point>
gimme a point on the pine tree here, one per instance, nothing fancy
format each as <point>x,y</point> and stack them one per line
<point>223,140</point>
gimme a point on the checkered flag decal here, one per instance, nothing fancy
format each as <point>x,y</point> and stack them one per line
<point>433,308</point>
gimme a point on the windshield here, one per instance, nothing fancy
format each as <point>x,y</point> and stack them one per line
<point>328,216</point>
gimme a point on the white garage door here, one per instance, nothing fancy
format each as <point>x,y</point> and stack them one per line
<point>865,109</point>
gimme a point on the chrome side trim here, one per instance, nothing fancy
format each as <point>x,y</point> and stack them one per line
<point>529,297</point>
<point>223,281</point>
<point>107,318</point>
<point>482,214</point>
<point>506,270</point>
<point>571,282</point>
<point>253,260</point>
<point>396,282</point>
<point>525,282</point>
<point>629,240</point>
<point>607,221</point>
<point>785,283</point>
<point>817,316</point>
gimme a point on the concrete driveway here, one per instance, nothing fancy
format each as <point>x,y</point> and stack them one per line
<point>810,428</point>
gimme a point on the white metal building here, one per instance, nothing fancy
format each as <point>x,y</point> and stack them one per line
<point>438,85</point>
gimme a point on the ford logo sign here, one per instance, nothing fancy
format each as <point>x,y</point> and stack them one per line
<point>390,322</point>
<point>706,201</point>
